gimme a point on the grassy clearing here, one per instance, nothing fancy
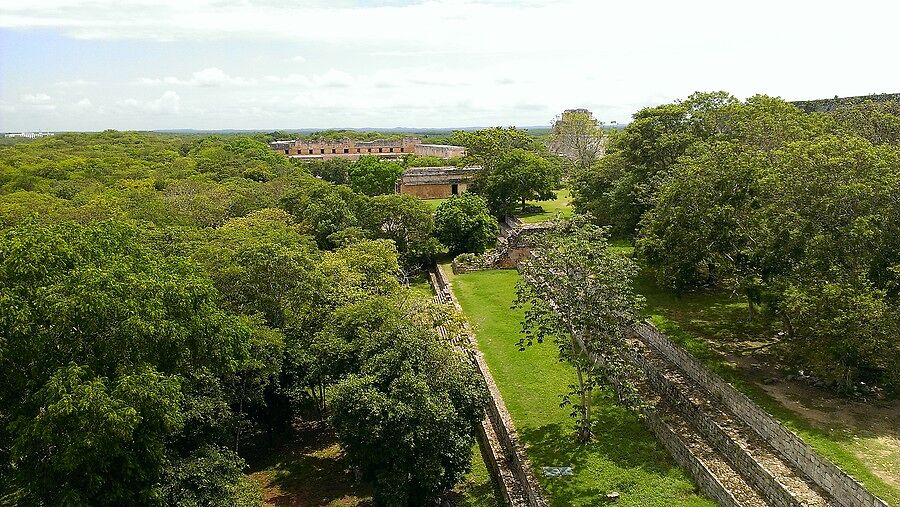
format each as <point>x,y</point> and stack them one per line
<point>420,287</point>
<point>625,457</point>
<point>562,205</point>
<point>712,326</point>
<point>309,468</point>
<point>435,203</point>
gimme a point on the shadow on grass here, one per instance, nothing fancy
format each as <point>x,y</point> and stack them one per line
<point>481,494</point>
<point>307,467</point>
<point>623,456</point>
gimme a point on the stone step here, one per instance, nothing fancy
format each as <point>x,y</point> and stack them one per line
<point>763,467</point>
<point>744,494</point>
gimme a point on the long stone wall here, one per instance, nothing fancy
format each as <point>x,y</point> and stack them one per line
<point>707,482</point>
<point>705,479</point>
<point>843,488</point>
<point>826,105</point>
<point>511,471</point>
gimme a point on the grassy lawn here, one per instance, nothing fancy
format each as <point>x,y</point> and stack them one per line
<point>862,439</point>
<point>476,489</point>
<point>310,469</point>
<point>435,203</point>
<point>562,204</point>
<point>625,456</point>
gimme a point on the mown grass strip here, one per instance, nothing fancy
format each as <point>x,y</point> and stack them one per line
<point>624,457</point>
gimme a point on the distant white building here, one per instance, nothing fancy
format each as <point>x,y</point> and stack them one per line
<point>28,135</point>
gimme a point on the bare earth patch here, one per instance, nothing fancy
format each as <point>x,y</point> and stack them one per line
<point>872,429</point>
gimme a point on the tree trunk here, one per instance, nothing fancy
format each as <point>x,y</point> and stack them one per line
<point>584,431</point>
<point>751,309</point>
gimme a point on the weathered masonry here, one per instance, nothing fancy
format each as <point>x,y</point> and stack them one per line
<point>503,452</point>
<point>436,182</point>
<point>353,149</point>
<point>825,105</point>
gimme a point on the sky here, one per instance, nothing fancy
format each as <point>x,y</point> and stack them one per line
<point>275,64</point>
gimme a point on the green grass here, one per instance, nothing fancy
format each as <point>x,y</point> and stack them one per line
<point>476,488</point>
<point>435,203</point>
<point>624,457</point>
<point>695,320</point>
<point>562,205</point>
<point>308,468</point>
<point>420,287</point>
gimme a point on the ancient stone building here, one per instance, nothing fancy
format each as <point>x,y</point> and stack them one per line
<point>353,149</point>
<point>826,105</point>
<point>436,182</point>
<point>439,150</point>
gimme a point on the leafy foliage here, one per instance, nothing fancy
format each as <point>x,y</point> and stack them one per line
<point>465,224</point>
<point>786,208</point>
<point>579,293</point>
<point>165,300</point>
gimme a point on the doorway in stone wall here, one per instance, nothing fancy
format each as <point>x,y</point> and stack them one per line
<point>454,189</point>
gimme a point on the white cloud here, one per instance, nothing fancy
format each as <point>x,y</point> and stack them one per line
<point>74,83</point>
<point>322,63</point>
<point>290,79</point>
<point>208,77</point>
<point>168,103</point>
<point>333,79</point>
<point>84,104</point>
<point>36,98</point>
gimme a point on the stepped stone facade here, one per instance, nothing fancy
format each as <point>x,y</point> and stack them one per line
<point>352,149</point>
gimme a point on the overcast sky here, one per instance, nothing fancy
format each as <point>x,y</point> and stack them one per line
<point>217,64</point>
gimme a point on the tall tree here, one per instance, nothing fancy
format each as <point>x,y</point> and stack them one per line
<point>407,415</point>
<point>578,136</point>
<point>465,224</point>
<point>517,176</point>
<point>579,293</point>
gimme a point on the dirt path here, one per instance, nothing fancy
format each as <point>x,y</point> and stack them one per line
<point>872,429</point>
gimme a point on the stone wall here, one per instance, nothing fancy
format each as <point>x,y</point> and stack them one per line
<point>705,479</point>
<point>434,191</point>
<point>439,150</point>
<point>521,487</point>
<point>842,487</point>
<point>757,475</point>
<point>826,105</point>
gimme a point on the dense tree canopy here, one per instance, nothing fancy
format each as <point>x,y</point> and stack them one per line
<point>796,212</point>
<point>164,300</point>
<point>464,224</point>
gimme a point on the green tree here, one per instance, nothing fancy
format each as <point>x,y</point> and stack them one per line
<point>407,417</point>
<point>372,176</point>
<point>485,147</point>
<point>115,360</point>
<point>517,176</point>
<point>579,293</point>
<point>878,122</point>
<point>405,220</point>
<point>578,136</point>
<point>465,224</point>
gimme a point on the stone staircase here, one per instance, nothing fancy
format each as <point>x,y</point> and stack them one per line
<point>754,471</point>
